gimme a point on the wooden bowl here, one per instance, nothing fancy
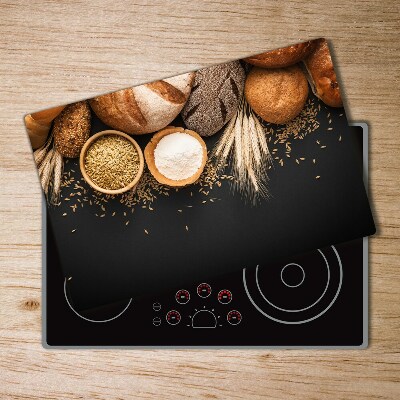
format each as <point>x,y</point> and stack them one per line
<point>149,156</point>
<point>86,146</point>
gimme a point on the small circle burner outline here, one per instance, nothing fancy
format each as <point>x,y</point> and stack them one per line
<point>302,279</point>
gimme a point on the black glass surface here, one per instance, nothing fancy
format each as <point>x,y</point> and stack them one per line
<point>247,319</point>
<point>109,261</point>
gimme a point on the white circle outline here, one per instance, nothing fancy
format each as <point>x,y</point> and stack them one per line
<point>187,293</point>
<point>306,320</point>
<point>241,317</point>
<point>180,317</point>
<point>302,270</point>
<point>222,291</point>
<point>204,283</point>
<point>88,319</point>
<point>300,309</point>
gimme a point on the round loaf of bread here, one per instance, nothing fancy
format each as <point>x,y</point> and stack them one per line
<point>276,95</point>
<point>145,108</point>
<point>214,98</point>
<point>282,57</point>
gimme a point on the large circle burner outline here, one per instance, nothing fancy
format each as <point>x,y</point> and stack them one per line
<point>320,306</point>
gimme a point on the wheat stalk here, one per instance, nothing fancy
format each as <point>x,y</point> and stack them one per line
<point>256,151</point>
<point>45,171</point>
<point>224,144</point>
<point>57,175</point>
<point>50,166</point>
<point>244,141</point>
<point>238,149</point>
<point>40,153</point>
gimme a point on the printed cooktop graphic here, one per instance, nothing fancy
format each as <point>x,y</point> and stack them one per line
<point>194,176</point>
<point>315,299</point>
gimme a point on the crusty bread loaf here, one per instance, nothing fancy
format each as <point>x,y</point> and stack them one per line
<point>38,125</point>
<point>276,95</point>
<point>145,108</point>
<point>282,57</point>
<point>214,98</point>
<point>322,74</point>
<point>71,129</point>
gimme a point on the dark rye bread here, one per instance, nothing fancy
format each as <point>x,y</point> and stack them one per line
<point>214,98</point>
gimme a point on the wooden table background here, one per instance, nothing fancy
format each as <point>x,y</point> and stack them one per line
<point>54,52</point>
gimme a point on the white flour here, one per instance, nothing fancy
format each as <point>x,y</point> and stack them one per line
<point>178,156</point>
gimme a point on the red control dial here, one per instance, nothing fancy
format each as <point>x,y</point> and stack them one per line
<point>204,290</point>
<point>224,296</point>
<point>234,317</point>
<point>173,317</point>
<point>182,296</point>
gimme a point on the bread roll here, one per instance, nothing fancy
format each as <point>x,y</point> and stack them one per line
<point>145,108</point>
<point>276,95</point>
<point>38,125</point>
<point>322,74</point>
<point>71,129</point>
<point>282,57</point>
<point>214,98</point>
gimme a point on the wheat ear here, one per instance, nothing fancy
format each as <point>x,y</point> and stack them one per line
<point>57,175</point>
<point>45,172</point>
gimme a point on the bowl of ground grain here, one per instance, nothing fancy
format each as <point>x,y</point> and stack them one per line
<point>111,162</point>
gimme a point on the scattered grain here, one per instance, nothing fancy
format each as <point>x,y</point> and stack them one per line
<point>147,191</point>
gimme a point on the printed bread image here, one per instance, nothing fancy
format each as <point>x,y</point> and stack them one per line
<point>145,108</point>
<point>322,75</point>
<point>203,127</point>
<point>284,57</point>
<point>38,125</point>
<point>71,129</point>
<point>277,95</point>
<point>214,98</point>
